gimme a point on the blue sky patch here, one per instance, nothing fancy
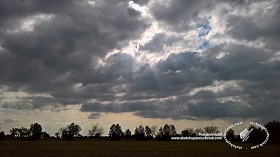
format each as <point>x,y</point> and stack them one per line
<point>204,29</point>
<point>204,45</point>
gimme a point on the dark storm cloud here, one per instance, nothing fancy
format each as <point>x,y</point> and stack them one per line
<point>185,69</point>
<point>207,105</point>
<point>142,2</point>
<point>177,14</point>
<point>61,51</point>
<point>176,11</point>
<point>67,58</point>
<point>180,73</point>
<point>170,76</point>
<point>117,65</point>
<point>148,108</point>
<point>242,63</point>
<point>261,24</point>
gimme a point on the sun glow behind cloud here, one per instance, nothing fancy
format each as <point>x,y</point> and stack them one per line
<point>27,24</point>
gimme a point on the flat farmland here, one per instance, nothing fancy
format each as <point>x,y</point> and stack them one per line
<point>129,149</point>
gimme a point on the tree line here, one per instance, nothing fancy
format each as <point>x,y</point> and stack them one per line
<point>141,133</point>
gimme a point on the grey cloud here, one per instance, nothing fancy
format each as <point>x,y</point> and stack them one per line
<point>9,121</point>
<point>261,25</point>
<point>17,105</point>
<point>185,69</point>
<point>206,105</point>
<point>117,107</point>
<point>118,65</point>
<point>62,51</point>
<point>175,11</point>
<point>159,40</point>
<point>178,14</point>
<point>94,115</point>
<point>133,12</point>
<point>242,62</point>
<point>142,2</point>
<point>180,73</point>
<point>249,67</point>
<point>170,76</point>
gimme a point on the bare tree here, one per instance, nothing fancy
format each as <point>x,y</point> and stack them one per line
<point>211,129</point>
<point>96,130</point>
<point>148,132</point>
<point>172,130</point>
<point>154,130</point>
<point>199,131</point>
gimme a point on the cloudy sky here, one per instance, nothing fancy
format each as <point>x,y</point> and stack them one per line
<point>186,62</point>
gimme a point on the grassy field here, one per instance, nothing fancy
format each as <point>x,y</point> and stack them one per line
<point>129,149</point>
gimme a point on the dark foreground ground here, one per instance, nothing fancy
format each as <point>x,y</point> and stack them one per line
<point>129,149</point>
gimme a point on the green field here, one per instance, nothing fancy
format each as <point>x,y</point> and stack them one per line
<point>129,149</point>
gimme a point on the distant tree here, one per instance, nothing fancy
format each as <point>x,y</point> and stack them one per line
<point>273,128</point>
<point>45,135</point>
<point>188,132</point>
<point>24,132</point>
<point>166,132</point>
<point>14,132</point>
<point>70,132</point>
<point>139,133</point>
<point>67,135</point>
<point>122,134</point>
<point>81,136</point>
<point>115,132</point>
<point>20,132</point>
<point>257,135</point>
<point>57,135</point>
<point>36,130</point>
<point>172,130</point>
<point>74,129</point>
<point>127,134</point>
<point>160,133</point>
<point>230,135</point>
<point>154,130</point>
<point>96,131</point>
<point>211,130</point>
<point>149,133</point>
<point>185,133</point>
<point>199,131</point>
<point>2,135</point>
